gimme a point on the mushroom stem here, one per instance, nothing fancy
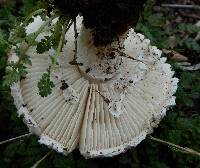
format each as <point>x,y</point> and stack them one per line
<point>176,147</point>
<point>16,138</point>
<point>43,158</point>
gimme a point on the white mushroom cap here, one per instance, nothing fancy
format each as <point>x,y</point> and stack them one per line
<point>111,103</point>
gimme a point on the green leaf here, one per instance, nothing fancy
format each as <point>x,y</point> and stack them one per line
<point>181,27</point>
<point>14,73</point>
<point>45,84</point>
<point>3,42</point>
<point>11,77</point>
<point>55,38</point>
<point>57,32</point>
<point>193,45</point>
<point>18,35</point>
<point>27,60</point>
<point>156,20</point>
<point>44,45</point>
<point>193,28</point>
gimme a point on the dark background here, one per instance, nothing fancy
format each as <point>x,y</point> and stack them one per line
<point>171,29</point>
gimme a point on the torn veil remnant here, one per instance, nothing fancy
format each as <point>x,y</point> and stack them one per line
<point>108,104</point>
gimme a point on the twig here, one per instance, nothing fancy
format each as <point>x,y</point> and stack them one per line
<point>177,147</point>
<point>107,100</point>
<point>195,67</point>
<point>173,55</point>
<point>16,138</point>
<point>188,15</point>
<point>43,158</point>
<point>122,54</point>
<point>74,61</point>
<point>181,6</point>
<point>76,43</point>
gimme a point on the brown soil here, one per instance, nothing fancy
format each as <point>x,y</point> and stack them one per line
<point>108,18</point>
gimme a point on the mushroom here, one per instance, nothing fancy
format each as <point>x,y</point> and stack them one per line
<point>106,104</point>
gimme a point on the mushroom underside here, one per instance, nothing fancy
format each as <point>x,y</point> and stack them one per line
<point>100,117</point>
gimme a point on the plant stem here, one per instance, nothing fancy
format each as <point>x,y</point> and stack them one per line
<point>181,149</point>
<point>39,31</point>
<point>43,158</point>
<point>16,138</point>
<point>25,22</point>
<point>33,14</point>
<point>62,38</point>
<point>36,34</point>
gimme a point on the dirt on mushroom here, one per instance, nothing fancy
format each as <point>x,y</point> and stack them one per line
<point>107,18</point>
